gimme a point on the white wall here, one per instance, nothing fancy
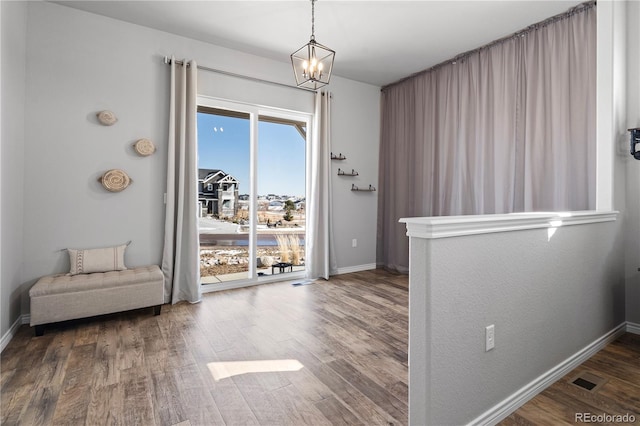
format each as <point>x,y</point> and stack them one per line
<point>80,63</point>
<point>13,39</point>
<point>632,213</point>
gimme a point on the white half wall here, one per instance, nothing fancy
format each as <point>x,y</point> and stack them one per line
<point>80,63</point>
<point>550,285</point>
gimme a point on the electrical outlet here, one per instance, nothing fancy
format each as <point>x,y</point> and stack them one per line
<point>354,242</point>
<point>490,337</point>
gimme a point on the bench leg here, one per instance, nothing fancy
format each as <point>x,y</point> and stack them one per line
<point>156,309</point>
<point>39,330</point>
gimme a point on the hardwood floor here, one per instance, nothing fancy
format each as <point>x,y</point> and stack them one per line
<point>339,352</point>
<point>326,353</point>
<point>565,403</point>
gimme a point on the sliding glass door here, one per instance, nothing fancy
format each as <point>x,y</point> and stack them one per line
<point>251,185</point>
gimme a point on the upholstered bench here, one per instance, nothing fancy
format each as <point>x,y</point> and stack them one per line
<point>63,297</point>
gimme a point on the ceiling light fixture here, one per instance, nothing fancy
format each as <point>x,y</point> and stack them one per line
<point>313,62</point>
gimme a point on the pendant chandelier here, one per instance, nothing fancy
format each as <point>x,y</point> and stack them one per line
<point>313,62</point>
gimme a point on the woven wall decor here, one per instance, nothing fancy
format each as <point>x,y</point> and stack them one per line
<point>107,118</point>
<point>144,147</point>
<point>115,180</point>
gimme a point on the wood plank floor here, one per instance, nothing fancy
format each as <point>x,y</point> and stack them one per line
<point>325,353</point>
<point>565,403</point>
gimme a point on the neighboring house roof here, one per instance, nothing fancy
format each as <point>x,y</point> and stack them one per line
<point>228,179</point>
<point>215,175</point>
<point>203,173</point>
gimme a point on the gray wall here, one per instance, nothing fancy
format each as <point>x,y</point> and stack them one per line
<point>80,63</point>
<point>632,212</point>
<point>13,27</point>
<point>356,134</point>
<point>547,297</point>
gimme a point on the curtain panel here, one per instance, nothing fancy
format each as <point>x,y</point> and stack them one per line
<point>320,257</point>
<point>180,256</point>
<point>507,128</point>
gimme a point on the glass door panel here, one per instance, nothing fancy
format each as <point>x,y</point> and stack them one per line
<point>224,171</point>
<point>281,196</point>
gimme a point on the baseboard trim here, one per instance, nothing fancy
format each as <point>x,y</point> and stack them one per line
<point>357,268</point>
<point>503,409</point>
<point>22,319</point>
<point>633,327</point>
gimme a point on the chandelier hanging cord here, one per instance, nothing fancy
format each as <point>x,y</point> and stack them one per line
<point>313,19</point>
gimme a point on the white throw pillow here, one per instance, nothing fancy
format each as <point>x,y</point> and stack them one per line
<point>105,259</point>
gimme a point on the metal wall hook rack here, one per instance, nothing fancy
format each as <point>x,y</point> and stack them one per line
<point>338,157</point>
<point>353,173</point>
<point>355,188</point>
<point>635,142</point>
<point>342,173</point>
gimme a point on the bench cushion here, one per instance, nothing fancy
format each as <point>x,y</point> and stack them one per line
<point>64,283</point>
<point>62,297</point>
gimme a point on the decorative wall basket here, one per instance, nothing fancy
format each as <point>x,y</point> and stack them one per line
<point>107,118</point>
<point>115,180</point>
<point>144,147</point>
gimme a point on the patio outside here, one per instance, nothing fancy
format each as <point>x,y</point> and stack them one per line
<point>224,243</point>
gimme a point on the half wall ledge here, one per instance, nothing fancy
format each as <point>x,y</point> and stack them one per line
<point>456,226</point>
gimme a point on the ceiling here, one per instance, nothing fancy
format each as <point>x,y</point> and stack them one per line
<point>376,42</point>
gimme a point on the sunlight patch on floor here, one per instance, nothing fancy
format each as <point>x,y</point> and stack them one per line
<point>223,370</point>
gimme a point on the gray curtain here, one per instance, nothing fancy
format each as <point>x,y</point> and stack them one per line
<point>560,107</point>
<point>507,128</point>
<point>180,258</point>
<point>320,259</point>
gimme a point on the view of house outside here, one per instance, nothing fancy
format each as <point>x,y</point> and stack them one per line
<point>224,195</point>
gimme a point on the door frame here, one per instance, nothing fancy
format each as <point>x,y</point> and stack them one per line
<point>255,111</point>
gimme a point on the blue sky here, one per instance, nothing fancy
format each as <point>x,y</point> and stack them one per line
<point>223,143</point>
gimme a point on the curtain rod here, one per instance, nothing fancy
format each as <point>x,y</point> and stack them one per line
<point>167,60</point>
<point>572,11</point>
